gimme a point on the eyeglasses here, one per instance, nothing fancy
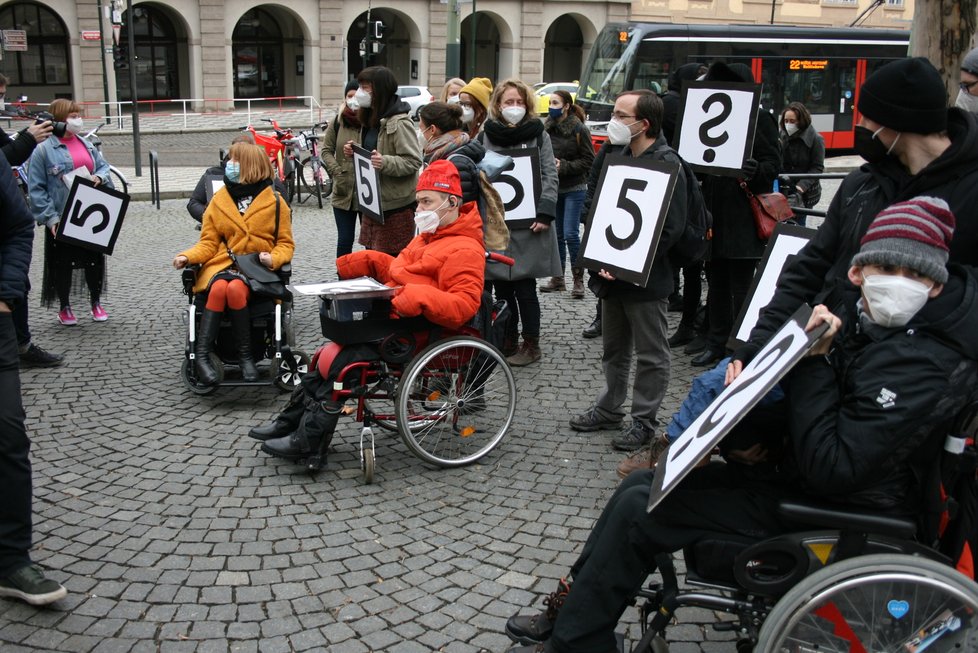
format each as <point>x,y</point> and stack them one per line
<point>622,116</point>
<point>465,104</point>
<point>966,86</point>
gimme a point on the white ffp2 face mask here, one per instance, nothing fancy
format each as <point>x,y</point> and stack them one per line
<point>619,133</point>
<point>352,104</point>
<point>790,128</point>
<point>468,115</point>
<point>513,115</point>
<point>363,98</point>
<point>75,125</point>
<point>427,222</point>
<point>893,300</point>
<point>966,101</point>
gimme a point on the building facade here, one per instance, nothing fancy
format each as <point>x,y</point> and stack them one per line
<point>214,51</point>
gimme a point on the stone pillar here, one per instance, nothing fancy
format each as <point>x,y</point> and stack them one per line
<point>437,39</point>
<point>332,62</point>
<point>215,54</point>
<point>531,36</point>
<point>90,86</point>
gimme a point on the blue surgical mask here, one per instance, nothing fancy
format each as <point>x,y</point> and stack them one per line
<point>556,113</point>
<point>232,170</point>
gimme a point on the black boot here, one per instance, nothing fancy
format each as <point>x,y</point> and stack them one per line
<point>241,331</point>
<point>535,629</point>
<point>285,422</point>
<point>210,322</point>
<point>314,433</point>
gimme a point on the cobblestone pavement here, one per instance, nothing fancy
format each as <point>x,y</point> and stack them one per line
<point>174,534</point>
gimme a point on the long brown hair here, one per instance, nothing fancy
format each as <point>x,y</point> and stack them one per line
<point>384,93</point>
<point>804,116</point>
<point>568,101</point>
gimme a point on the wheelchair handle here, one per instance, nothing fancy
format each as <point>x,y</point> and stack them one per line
<point>500,258</point>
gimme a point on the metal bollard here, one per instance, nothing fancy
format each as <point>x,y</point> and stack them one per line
<point>154,178</point>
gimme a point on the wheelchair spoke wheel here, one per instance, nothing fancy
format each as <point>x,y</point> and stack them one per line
<point>287,379</point>
<point>189,376</point>
<point>881,603</point>
<point>455,401</point>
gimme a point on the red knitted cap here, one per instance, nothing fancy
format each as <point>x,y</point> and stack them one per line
<point>441,176</point>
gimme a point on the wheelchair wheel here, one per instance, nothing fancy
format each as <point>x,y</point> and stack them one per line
<point>189,376</point>
<point>286,380</point>
<point>876,603</point>
<point>367,465</point>
<point>455,401</point>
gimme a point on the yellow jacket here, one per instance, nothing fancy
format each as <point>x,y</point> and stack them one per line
<point>224,227</point>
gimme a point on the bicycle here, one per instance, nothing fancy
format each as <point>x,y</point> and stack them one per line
<point>309,170</point>
<point>281,153</point>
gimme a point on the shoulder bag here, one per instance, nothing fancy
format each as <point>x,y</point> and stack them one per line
<point>768,210</point>
<point>261,280</point>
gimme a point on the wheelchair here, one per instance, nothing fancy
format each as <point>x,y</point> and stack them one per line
<point>448,393</point>
<point>272,339</point>
<point>857,582</point>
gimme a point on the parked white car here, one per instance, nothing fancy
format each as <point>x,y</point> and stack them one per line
<point>416,96</point>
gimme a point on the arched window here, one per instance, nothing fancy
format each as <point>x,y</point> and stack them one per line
<point>156,55</point>
<point>257,54</point>
<point>45,63</point>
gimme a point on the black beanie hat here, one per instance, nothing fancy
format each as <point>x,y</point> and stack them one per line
<point>351,85</point>
<point>685,73</point>
<point>723,72</point>
<point>907,96</point>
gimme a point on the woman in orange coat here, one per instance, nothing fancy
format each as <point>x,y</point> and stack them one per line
<point>441,274</point>
<point>246,216</point>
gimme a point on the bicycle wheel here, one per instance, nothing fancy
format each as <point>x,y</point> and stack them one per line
<point>882,603</point>
<point>118,180</point>
<point>455,401</point>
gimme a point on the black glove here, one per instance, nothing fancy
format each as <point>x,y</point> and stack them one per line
<point>750,168</point>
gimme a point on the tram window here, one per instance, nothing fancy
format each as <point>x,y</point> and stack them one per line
<point>814,87</point>
<point>649,72</point>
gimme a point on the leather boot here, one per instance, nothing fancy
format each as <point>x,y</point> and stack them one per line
<point>528,353</point>
<point>285,422</point>
<point>556,284</point>
<point>241,331</point>
<point>210,323</point>
<point>533,629</point>
<point>314,433</point>
<point>511,344</point>
<point>578,290</point>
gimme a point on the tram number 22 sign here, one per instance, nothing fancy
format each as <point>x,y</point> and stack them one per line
<point>627,213</point>
<point>92,216</point>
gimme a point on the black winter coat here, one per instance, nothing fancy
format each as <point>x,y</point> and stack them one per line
<point>859,417</point>
<point>16,238</point>
<point>571,141</point>
<point>819,270</point>
<point>734,233</point>
<point>466,159</point>
<point>19,149</point>
<point>660,283</point>
<point>800,153</point>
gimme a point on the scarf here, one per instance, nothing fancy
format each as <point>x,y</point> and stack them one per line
<point>441,146</point>
<point>505,135</point>
<point>243,194</point>
<point>351,117</point>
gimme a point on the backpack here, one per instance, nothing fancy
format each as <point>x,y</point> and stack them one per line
<point>695,239</point>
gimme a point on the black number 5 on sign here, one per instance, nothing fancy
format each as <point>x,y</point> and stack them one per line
<point>367,182</point>
<point>92,216</point>
<point>627,213</point>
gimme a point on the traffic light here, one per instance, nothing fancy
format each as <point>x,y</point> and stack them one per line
<point>378,27</point>
<point>120,57</point>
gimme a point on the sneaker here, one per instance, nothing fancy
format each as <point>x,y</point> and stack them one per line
<point>66,317</point>
<point>99,314</point>
<point>29,584</point>
<point>644,458</point>
<point>592,421</point>
<point>634,437</point>
<point>37,357</point>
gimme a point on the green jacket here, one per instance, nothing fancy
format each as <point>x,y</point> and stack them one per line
<point>338,165</point>
<point>398,143</point>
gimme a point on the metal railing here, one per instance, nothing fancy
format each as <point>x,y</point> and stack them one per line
<point>800,210</point>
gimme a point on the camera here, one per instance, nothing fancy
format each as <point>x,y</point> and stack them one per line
<point>59,128</point>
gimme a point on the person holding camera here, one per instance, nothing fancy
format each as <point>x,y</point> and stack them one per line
<point>18,150</point>
<point>53,166</point>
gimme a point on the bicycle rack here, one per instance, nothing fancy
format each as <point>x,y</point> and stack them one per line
<point>154,178</point>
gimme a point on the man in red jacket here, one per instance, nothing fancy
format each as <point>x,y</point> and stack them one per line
<point>440,274</point>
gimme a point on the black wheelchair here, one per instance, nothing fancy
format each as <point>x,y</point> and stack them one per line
<point>272,339</point>
<point>857,582</point>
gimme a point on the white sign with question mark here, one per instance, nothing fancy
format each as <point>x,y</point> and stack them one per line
<point>716,125</point>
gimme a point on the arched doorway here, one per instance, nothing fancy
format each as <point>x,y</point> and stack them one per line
<point>392,49</point>
<point>43,72</point>
<point>487,38</point>
<point>563,51</point>
<point>265,42</point>
<point>156,57</point>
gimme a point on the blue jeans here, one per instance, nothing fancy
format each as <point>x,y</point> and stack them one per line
<point>346,230</point>
<point>569,208</point>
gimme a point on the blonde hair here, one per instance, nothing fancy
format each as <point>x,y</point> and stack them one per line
<point>497,95</point>
<point>61,108</point>
<point>252,161</point>
<point>454,81</point>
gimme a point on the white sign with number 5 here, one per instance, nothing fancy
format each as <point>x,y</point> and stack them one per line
<point>519,187</point>
<point>92,216</point>
<point>627,213</point>
<point>367,181</point>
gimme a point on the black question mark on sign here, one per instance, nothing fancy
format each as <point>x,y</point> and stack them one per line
<point>715,141</point>
<point>79,220</point>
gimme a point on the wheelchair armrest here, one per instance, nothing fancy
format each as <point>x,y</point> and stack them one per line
<point>189,278</point>
<point>285,272</point>
<point>848,519</point>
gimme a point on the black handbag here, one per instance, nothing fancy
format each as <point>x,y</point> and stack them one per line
<point>261,280</point>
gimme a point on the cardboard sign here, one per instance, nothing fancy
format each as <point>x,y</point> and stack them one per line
<point>627,213</point>
<point>212,184</point>
<point>92,216</point>
<point>716,125</point>
<point>779,355</point>
<point>519,187</point>
<point>367,183</point>
<point>785,243</point>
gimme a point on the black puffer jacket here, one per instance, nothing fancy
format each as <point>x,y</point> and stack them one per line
<point>16,238</point>
<point>857,417</point>
<point>820,268</point>
<point>804,152</point>
<point>17,149</point>
<point>572,145</point>
<point>466,159</point>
